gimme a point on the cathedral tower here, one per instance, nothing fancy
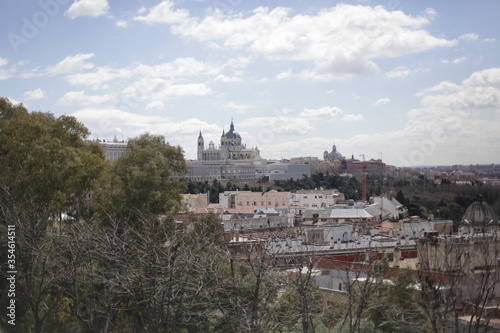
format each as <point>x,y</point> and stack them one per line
<point>201,147</point>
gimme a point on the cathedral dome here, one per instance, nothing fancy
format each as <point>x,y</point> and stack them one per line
<point>479,213</point>
<point>232,134</point>
<point>334,154</point>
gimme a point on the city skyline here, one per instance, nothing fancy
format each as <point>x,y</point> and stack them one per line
<point>416,83</point>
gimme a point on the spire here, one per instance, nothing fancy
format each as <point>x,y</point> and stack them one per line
<point>200,136</point>
<point>223,132</point>
<point>232,125</point>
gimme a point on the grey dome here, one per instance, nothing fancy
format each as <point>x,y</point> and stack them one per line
<point>232,134</point>
<point>479,213</point>
<point>334,154</point>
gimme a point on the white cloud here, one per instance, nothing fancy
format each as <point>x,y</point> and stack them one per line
<point>279,125</point>
<point>430,12</point>
<point>324,111</point>
<point>80,98</point>
<point>71,64</point>
<point>163,13</point>
<point>107,122</point>
<point>487,77</point>
<point>238,108</point>
<point>339,42</point>
<point>121,23</point>
<point>156,105</point>
<point>453,116</point>
<point>6,73</point>
<point>97,77</point>
<point>160,89</point>
<point>381,101</point>
<point>87,8</point>
<point>34,94</point>
<point>285,111</point>
<point>454,61</point>
<point>352,117</point>
<point>470,36</point>
<point>489,40</point>
<point>227,79</point>
<point>284,75</point>
<point>399,72</point>
<point>445,86</point>
<point>174,70</point>
<point>159,82</point>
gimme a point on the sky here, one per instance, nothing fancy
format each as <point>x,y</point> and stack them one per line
<point>411,82</point>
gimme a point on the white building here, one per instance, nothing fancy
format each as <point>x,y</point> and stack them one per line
<point>390,207</point>
<point>329,234</point>
<point>113,149</point>
<point>315,199</point>
<point>415,227</point>
<point>263,200</point>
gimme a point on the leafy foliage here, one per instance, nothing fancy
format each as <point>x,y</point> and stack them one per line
<point>141,181</point>
<point>46,160</point>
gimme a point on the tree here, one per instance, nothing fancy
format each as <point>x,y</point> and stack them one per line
<point>400,197</point>
<point>47,167</point>
<point>45,160</point>
<point>142,181</point>
<point>437,276</point>
<point>397,309</point>
<point>305,294</point>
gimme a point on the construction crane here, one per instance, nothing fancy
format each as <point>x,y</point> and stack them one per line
<point>363,179</point>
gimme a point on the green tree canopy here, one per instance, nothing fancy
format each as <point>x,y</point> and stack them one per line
<point>45,160</point>
<point>144,180</point>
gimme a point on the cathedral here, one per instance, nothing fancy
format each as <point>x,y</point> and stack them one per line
<point>230,148</point>
<point>231,159</point>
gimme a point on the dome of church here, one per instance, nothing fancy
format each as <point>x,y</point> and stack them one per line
<point>479,213</point>
<point>334,154</point>
<point>232,134</point>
